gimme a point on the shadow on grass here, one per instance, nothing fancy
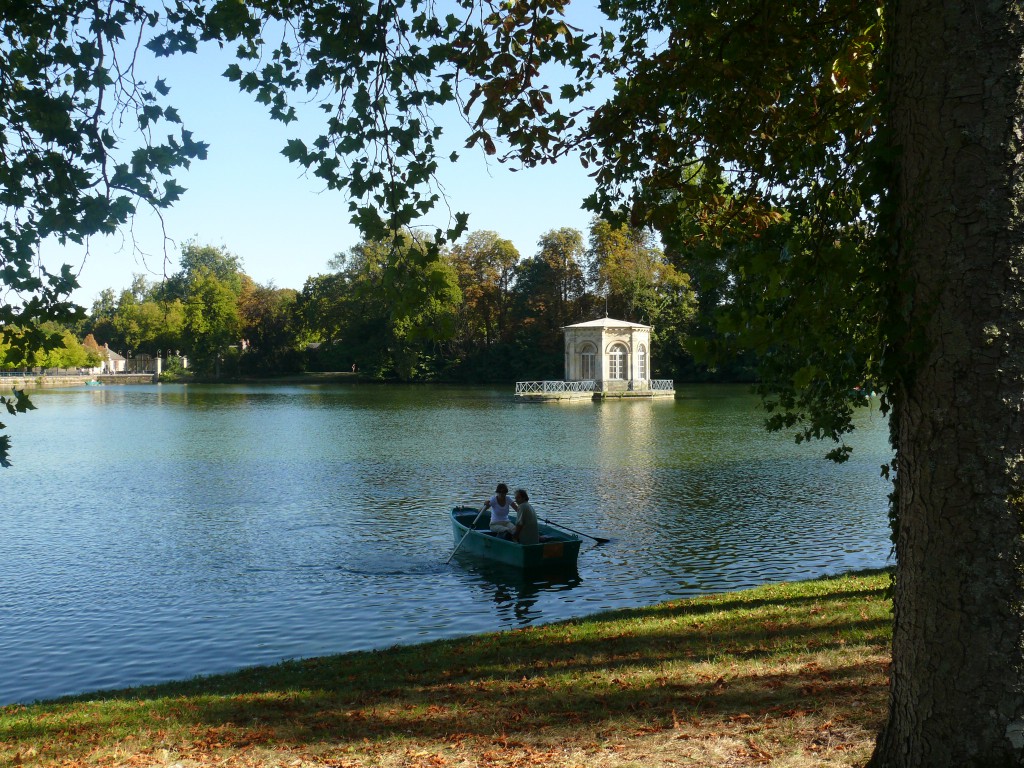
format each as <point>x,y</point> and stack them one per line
<point>724,658</point>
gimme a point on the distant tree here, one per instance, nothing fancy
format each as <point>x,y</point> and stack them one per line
<point>99,321</point>
<point>105,305</point>
<point>218,261</point>
<point>420,294</point>
<point>61,350</point>
<point>266,315</point>
<point>68,354</point>
<point>96,354</point>
<point>620,265</point>
<point>485,264</point>
<point>128,323</point>
<point>141,288</point>
<point>347,314</point>
<point>170,325</point>
<point>391,306</point>
<point>549,289</point>
<point>322,312</point>
<point>211,321</point>
<point>139,319</point>
<point>550,285</point>
<point>215,260</point>
<point>623,266</point>
<point>42,346</point>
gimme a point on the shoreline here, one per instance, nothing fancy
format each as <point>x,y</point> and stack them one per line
<point>775,673</point>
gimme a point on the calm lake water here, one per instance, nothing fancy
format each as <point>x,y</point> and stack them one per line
<point>162,532</point>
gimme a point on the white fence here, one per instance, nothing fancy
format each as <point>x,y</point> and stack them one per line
<point>32,373</point>
<point>546,387</point>
<point>36,373</point>
<point>556,387</point>
<point>640,385</point>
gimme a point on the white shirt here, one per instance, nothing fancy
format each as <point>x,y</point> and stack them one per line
<point>499,514</point>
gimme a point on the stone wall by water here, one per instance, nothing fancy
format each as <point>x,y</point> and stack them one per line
<point>31,381</point>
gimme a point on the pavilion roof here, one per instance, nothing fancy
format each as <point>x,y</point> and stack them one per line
<point>607,322</point>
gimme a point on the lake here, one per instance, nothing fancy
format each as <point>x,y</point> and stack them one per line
<point>159,532</point>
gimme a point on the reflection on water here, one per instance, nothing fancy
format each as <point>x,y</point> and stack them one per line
<point>160,532</point>
<point>517,596</point>
<point>627,444</point>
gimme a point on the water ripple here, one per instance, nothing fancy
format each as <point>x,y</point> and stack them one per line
<point>156,533</point>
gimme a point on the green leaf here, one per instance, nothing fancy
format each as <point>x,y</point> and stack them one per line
<point>296,151</point>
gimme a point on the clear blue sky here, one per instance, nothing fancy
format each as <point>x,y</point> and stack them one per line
<point>285,227</point>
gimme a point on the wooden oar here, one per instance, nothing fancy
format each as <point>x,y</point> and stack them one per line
<point>471,527</point>
<point>598,539</point>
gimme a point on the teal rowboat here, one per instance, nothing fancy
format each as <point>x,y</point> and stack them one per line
<point>557,549</point>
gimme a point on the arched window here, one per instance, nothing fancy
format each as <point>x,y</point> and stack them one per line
<point>588,362</point>
<point>641,363</point>
<point>618,362</point>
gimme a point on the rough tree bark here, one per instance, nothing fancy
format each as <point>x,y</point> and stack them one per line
<point>957,691</point>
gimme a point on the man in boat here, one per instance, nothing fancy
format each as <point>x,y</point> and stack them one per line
<point>526,521</point>
<point>499,504</point>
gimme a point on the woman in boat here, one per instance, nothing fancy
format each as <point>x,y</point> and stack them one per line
<point>526,521</point>
<point>499,504</point>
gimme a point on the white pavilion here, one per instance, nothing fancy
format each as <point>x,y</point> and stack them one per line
<point>603,358</point>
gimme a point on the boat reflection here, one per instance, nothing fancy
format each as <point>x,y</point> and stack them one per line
<point>519,597</point>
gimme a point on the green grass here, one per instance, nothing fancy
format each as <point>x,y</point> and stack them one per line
<point>784,675</point>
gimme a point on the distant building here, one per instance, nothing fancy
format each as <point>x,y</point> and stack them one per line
<point>615,354</point>
<point>112,363</point>
<point>603,358</point>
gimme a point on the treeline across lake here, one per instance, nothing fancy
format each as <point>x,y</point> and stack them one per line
<point>404,309</point>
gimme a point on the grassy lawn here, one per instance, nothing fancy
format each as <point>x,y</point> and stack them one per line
<point>784,675</point>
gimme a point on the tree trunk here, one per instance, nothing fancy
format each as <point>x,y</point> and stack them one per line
<point>957,690</point>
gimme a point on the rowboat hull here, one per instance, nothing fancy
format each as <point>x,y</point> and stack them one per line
<point>558,549</point>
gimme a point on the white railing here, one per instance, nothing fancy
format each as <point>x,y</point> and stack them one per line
<point>558,387</point>
<point>546,387</point>
<point>37,372</point>
<point>640,385</point>
<point>75,372</point>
